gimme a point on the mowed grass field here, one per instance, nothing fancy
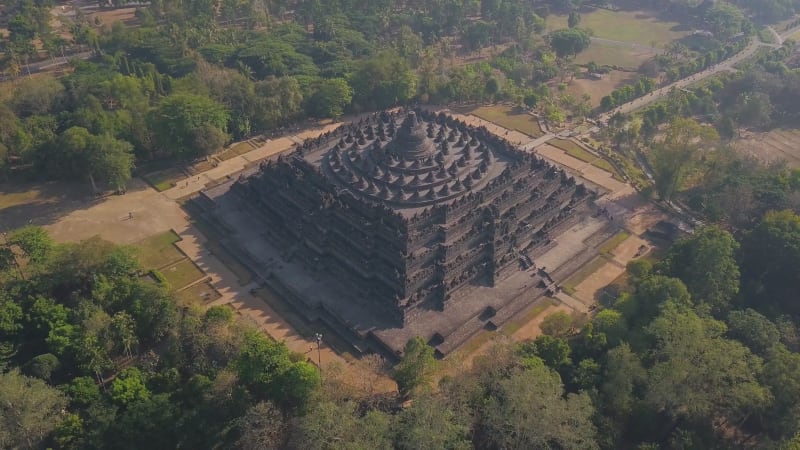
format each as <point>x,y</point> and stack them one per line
<point>644,33</point>
<point>182,274</point>
<point>159,250</point>
<point>506,117</point>
<point>605,54</point>
<point>636,27</point>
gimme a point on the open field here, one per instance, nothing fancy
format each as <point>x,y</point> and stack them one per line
<point>159,250</point>
<point>506,117</point>
<point>636,27</point>
<point>606,54</point>
<point>576,151</point>
<point>182,274</point>
<point>776,145</point>
<point>597,89</point>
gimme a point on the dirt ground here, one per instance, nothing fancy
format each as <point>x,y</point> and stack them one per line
<point>588,290</point>
<point>773,146</point>
<point>108,16</point>
<point>598,89</point>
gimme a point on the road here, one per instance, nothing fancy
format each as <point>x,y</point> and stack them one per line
<point>728,64</point>
<point>683,83</point>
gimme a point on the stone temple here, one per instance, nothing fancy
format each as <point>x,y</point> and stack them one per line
<point>405,223</point>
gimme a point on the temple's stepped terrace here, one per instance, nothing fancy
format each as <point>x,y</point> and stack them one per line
<point>397,214</point>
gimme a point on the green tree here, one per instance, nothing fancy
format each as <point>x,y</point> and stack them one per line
<point>330,98</point>
<point>382,81</point>
<point>683,144</point>
<point>38,96</point>
<point>706,263</point>
<point>699,375</point>
<point>623,376</point>
<point>264,427</point>
<point>429,424</point>
<point>416,367</point>
<point>771,262</point>
<point>574,19</point>
<point>555,352</point>
<point>42,366</point>
<point>180,120</point>
<point>557,324</point>
<point>611,323</point>
<point>129,387</point>
<point>782,375</point>
<point>34,242</point>
<point>569,42</point>
<point>511,418</point>
<point>753,330</point>
<point>123,328</point>
<point>267,369</point>
<point>335,426</point>
<point>29,410</point>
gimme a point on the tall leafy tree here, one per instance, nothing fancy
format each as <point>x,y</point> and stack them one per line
<point>569,42</point>
<point>183,124</point>
<point>382,81</point>
<point>416,366</point>
<point>771,262</point>
<point>530,410</point>
<point>29,410</point>
<point>683,144</point>
<point>706,263</point>
<point>698,374</point>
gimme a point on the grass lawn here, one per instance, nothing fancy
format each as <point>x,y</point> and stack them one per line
<point>200,292</point>
<point>583,273</point>
<point>572,149</point>
<point>507,118</point>
<point>159,250</point>
<point>165,179</point>
<point>515,324</point>
<point>182,274</point>
<point>235,150</point>
<point>606,54</point>
<point>609,245</point>
<point>576,151</point>
<point>637,27</point>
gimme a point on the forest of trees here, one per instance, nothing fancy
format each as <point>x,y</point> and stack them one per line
<point>698,350</point>
<point>190,78</point>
